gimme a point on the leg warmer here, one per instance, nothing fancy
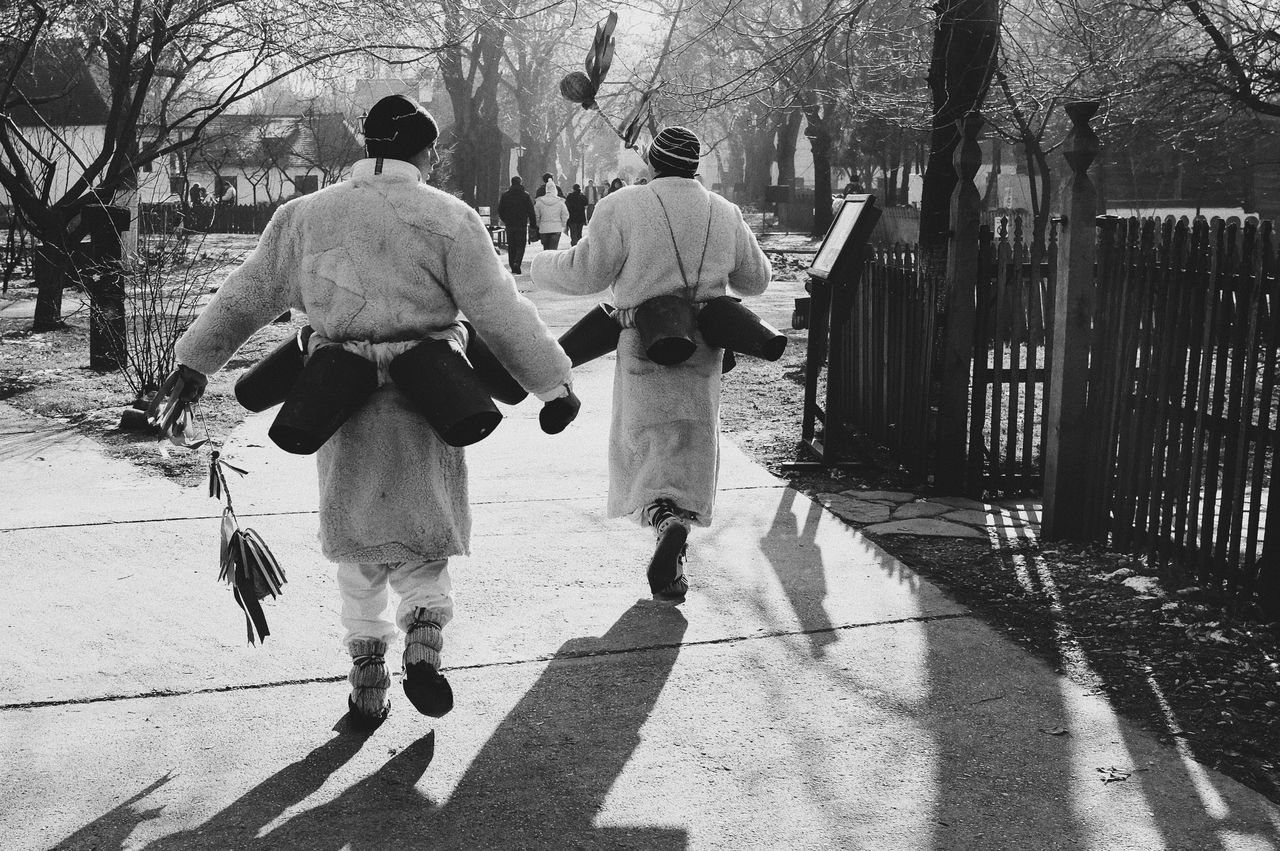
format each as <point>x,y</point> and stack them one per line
<point>423,640</point>
<point>369,677</point>
<point>427,689</point>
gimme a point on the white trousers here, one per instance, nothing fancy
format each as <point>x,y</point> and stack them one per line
<point>365,598</point>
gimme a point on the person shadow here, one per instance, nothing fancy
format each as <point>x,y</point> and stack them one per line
<point>539,782</point>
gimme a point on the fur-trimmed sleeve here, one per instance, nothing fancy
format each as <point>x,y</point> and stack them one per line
<point>508,322</point>
<point>592,265</point>
<point>752,270</point>
<point>259,290</point>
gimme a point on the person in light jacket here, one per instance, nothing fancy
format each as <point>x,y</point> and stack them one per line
<point>379,263</point>
<point>670,236</point>
<point>553,216</point>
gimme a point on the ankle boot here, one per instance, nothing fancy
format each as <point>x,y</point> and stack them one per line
<point>424,685</point>
<point>369,680</point>
<point>666,569</point>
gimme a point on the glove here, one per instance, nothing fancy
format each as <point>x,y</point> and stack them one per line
<point>558,413</point>
<point>170,408</point>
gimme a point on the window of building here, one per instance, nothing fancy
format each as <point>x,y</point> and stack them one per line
<point>305,184</point>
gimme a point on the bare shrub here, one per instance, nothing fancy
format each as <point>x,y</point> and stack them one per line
<point>162,292</point>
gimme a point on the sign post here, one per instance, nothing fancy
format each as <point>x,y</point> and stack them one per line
<point>833,277</point>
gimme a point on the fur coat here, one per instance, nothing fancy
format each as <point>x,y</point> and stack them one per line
<point>378,262</point>
<point>664,436</point>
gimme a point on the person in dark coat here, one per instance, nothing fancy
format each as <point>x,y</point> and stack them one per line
<point>515,209</point>
<point>547,177</point>
<point>594,195</point>
<point>577,204</point>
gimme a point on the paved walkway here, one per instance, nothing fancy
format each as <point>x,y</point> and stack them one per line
<point>812,693</point>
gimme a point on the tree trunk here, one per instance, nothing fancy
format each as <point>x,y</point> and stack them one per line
<point>819,135</point>
<point>106,289</point>
<point>54,271</point>
<point>787,127</point>
<point>735,163</point>
<point>758,158</point>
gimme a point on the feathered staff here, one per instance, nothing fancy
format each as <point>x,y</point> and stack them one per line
<point>582,87</point>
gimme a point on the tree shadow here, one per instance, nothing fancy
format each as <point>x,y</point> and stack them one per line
<point>539,782</point>
<point>29,444</point>
<point>797,562</point>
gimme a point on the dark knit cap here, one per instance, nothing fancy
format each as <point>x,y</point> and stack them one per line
<point>398,128</point>
<point>676,151</point>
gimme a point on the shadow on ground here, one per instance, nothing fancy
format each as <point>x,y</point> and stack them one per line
<point>537,783</point>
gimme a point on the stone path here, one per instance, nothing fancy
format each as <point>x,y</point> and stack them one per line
<point>903,513</point>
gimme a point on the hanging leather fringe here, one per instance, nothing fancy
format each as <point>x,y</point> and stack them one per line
<point>245,561</point>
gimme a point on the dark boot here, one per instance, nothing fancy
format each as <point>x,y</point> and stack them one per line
<point>367,704</point>
<point>666,569</point>
<point>424,685</point>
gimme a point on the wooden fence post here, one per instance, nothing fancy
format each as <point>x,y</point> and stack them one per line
<point>1070,461</point>
<point>955,365</point>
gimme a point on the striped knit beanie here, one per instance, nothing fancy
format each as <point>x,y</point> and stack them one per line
<point>397,128</point>
<point>675,151</point>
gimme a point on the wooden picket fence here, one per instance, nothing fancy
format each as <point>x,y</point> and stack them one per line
<point>1183,395</point>
<point>165,217</point>
<point>886,358</point>
<point>1014,311</point>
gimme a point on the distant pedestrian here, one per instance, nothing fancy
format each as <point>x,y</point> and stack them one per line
<point>553,216</point>
<point>576,202</point>
<point>515,209</point>
<point>200,211</point>
<point>642,181</point>
<point>593,197</point>
<point>616,184</point>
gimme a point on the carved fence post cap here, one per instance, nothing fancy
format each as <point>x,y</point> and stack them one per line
<point>1080,111</point>
<point>967,158</point>
<point>1082,143</point>
<point>971,124</point>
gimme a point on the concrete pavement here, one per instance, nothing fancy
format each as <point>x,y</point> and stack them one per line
<point>812,693</point>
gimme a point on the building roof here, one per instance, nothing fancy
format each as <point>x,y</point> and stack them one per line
<point>65,85</point>
<point>247,141</point>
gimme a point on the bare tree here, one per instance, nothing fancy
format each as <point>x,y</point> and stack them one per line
<point>1235,52</point>
<point>163,70</point>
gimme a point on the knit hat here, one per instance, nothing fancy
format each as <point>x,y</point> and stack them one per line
<point>675,150</point>
<point>398,128</point>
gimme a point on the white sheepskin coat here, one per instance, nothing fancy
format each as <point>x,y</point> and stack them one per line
<point>664,438</point>
<point>383,257</point>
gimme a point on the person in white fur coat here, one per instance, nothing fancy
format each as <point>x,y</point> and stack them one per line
<point>379,263</point>
<point>644,241</point>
